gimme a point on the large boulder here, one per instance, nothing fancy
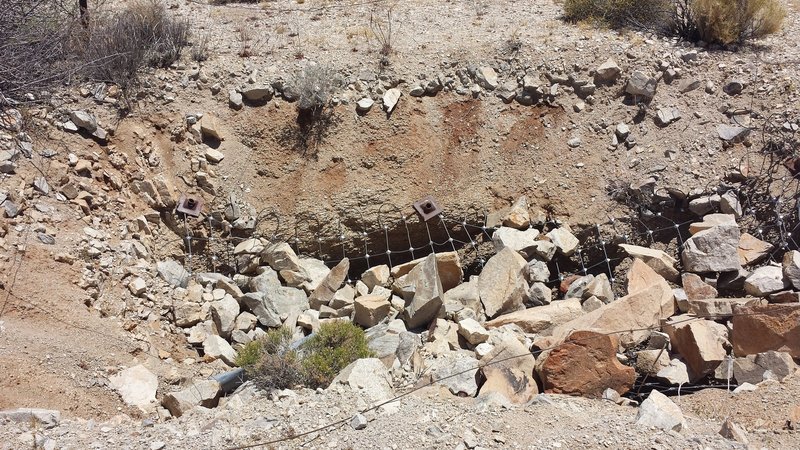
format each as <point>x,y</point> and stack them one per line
<point>465,295</point>
<point>754,369</point>
<point>586,364</point>
<point>215,347</point>
<point>518,216</point>
<point>700,342</point>
<point>173,272</point>
<point>758,329</point>
<point>512,374</point>
<point>448,266</point>
<point>502,284</point>
<point>541,319</point>
<point>224,313</point>
<point>659,411</point>
<point>518,240</point>
<point>327,289</point>
<point>753,250</point>
<point>366,378</point>
<point>649,300</point>
<point>198,393</point>
<point>427,293</point>
<point>765,280</point>
<point>564,240</point>
<point>136,385</point>
<point>371,309</point>
<point>456,373</point>
<point>712,250</point>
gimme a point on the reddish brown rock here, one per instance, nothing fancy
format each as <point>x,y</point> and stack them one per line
<point>758,329</point>
<point>586,364</point>
<point>696,288</point>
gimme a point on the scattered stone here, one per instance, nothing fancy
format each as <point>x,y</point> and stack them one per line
<point>768,365</point>
<point>586,364</point>
<point>519,241</point>
<point>472,331</point>
<point>734,432</point>
<point>608,71</point>
<point>427,293</point>
<point>365,377</point>
<point>214,156</point>
<point>729,204</point>
<point>519,216</point>
<point>668,115</point>
<point>364,105</point>
<point>765,280</point>
<point>173,272</point>
<point>486,78</point>
<point>731,133</point>
<point>136,385</point>
<point>358,422</point>
<point>733,87</point>
<point>235,100</point>
<point>390,99</point>
<point>84,120</point>
<point>445,369</point>
<point>137,286</point>
<point>758,329</point>
<point>327,289</point>
<point>224,313</point>
<point>28,416</point>
<point>642,85</point>
<point>574,142</point>
<point>209,128</point>
<point>600,288</point>
<point>448,267</point>
<point>501,284</point>
<point>660,412</point>
<point>578,287</point>
<point>258,93</point>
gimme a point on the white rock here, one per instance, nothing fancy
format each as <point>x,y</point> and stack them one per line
<point>218,348</point>
<point>136,385</point>
<point>660,412</point>
<point>390,99</point>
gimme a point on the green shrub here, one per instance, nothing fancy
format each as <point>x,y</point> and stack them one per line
<point>729,21</point>
<point>277,365</point>
<point>249,355</point>
<point>330,350</point>
<point>272,363</point>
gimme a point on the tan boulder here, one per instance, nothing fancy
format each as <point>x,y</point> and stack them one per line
<point>752,250</point>
<point>427,293</point>
<point>662,263</point>
<point>540,319</point>
<point>695,288</point>
<point>758,329</point>
<point>327,289</point>
<point>376,276</point>
<point>700,342</point>
<point>586,364</point>
<point>510,377</point>
<point>448,266</point>
<point>518,217</point>
<point>650,299</point>
<point>371,309</point>
<point>209,128</point>
<point>502,285</point>
<point>711,221</point>
<point>717,307</point>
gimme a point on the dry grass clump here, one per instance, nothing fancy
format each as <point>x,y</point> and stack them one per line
<point>730,21</point>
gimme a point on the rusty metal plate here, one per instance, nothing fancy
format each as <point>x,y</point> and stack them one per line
<point>190,205</point>
<point>427,208</point>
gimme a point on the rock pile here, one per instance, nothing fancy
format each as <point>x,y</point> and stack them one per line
<point>481,336</point>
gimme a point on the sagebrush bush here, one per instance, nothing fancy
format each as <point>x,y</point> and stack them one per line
<point>35,40</point>
<point>273,363</point>
<point>330,350</point>
<point>143,34</point>
<point>617,13</point>
<point>730,21</point>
